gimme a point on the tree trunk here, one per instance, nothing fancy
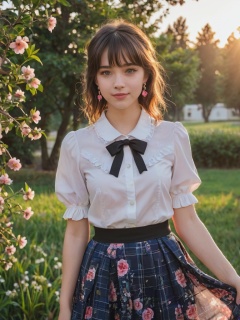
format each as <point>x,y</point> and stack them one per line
<point>50,162</point>
<point>206,110</point>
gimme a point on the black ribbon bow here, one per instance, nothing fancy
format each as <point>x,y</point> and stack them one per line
<point>116,149</point>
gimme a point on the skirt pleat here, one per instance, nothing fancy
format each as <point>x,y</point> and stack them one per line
<point>154,279</point>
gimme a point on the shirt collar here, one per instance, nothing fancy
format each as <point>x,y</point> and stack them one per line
<point>142,131</point>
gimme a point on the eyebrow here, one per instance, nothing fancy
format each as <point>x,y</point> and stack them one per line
<point>123,65</point>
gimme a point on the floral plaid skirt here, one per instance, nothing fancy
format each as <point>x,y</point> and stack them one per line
<point>153,279</point>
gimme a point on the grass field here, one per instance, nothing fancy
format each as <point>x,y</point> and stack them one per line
<point>201,126</point>
<point>34,281</point>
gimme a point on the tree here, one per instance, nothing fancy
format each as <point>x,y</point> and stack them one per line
<point>181,64</point>
<point>179,33</point>
<point>231,74</point>
<point>206,93</point>
<point>64,60</point>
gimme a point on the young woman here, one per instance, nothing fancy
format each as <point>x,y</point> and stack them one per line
<point>127,174</point>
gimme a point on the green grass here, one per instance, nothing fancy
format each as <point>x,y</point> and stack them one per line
<point>218,207</point>
<point>224,125</point>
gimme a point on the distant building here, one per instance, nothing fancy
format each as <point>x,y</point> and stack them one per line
<point>193,112</point>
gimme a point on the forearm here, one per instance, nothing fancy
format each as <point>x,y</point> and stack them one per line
<point>75,243</point>
<point>196,236</point>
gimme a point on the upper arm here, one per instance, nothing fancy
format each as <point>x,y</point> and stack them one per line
<point>184,218</point>
<point>78,229</point>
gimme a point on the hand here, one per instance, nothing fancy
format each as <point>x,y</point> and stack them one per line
<point>64,315</point>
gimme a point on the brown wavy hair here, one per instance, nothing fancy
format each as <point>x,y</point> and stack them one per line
<point>125,42</point>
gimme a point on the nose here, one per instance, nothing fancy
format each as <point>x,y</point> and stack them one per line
<point>119,81</point>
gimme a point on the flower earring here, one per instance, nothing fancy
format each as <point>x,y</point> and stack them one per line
<point>99,97</point>
<point>144,91</point>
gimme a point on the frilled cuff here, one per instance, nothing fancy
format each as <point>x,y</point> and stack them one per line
<point>183,200</point>
<point>76,213</point>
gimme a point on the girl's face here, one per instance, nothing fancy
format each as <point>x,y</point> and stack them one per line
<point>120,86</point>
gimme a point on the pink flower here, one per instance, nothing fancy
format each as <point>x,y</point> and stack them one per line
<point>14,164</point>
<point>25,129</point>
<point>51,23</point>
<point>91,274</point>
<point>36,116</point>
<point>28,72</point>
<point>192,311</point>
<point>19,94</point>
<point>180,277</point>
<point>1,201</point>
<point>10,250</point>
<point>28,213</point>
<point>8,265</point>
<point>4,179</point>
<point>122,267</point>
<point>35,134</point>
<point>137,304</point>
<point>22,241</point>
<point>148,314</point>
<point>178,313</point>
<point>88,313</point>
<point>1,204</point>
<point>34,83</point>
<point>19,45</point>
<point>9,224</point>
<point>28,195</point>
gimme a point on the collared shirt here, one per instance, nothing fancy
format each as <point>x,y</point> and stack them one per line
<point>84,185</point>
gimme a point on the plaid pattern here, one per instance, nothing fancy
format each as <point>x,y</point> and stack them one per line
<point>154,279</point>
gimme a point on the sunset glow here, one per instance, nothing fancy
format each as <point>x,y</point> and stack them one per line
<point>223,16</point>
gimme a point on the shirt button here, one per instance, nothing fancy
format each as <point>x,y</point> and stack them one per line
<point>132,203</point>
<point>128,165</point>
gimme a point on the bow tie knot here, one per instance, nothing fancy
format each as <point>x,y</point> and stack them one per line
<point>116,149</point>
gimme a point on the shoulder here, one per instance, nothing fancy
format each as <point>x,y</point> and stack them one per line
<point>73,139</point>
<point>171,128</point>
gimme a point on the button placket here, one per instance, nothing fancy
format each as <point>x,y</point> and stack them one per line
<point>129,180</point>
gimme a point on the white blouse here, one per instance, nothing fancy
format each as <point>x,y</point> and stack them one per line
<point>84,185</point>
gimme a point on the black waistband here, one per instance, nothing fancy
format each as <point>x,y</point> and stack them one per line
<point>132,234</point>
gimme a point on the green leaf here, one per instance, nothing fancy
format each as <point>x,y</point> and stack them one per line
<point>26,187</point>
<point>36,58</point>
<point>10,88</point>
<point>36,51</point>
<point>33,91</point>
<point>40,88</point>
<point>64,3</point>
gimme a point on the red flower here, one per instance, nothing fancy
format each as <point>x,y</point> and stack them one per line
<point>148,314</point>
<point>192,311</point>
<point>91,274</point>
<point>137,304</point>
<point>88,313</point>
<point>122,267</point>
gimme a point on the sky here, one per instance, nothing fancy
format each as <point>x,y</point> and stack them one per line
<point>222,15</point>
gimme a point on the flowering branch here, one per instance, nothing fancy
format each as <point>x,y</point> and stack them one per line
<point>16,53</point>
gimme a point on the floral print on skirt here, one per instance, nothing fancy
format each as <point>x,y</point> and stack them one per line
<point>153,279</point>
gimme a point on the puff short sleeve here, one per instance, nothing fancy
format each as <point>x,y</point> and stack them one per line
<point>70,184</point>
<point>185,178</point>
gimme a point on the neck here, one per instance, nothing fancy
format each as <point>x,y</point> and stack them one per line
<point>124,120</point>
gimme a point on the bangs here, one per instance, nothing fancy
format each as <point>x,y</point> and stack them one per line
<point>121,50</point>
